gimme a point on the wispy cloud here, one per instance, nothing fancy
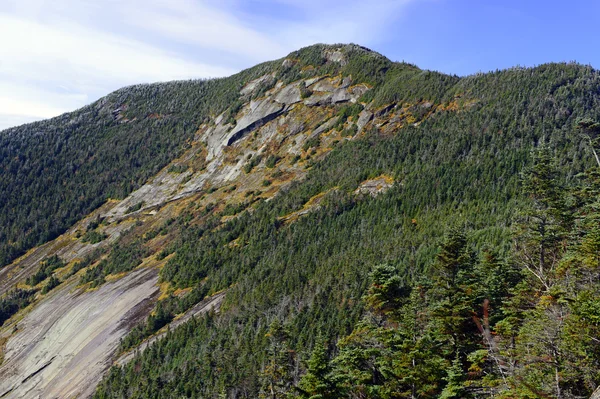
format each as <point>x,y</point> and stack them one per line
<point>60,55</point>
<point>201,25</point>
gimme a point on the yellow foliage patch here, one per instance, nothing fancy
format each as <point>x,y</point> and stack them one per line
<point>165,290</point>
<point>311,204</point>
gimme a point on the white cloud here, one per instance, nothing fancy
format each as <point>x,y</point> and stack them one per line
<point>8,120</point>
<point>40,52</point>
<point>337,21</point>
<point>28,102</point>
<point>60,55</point>
<point>202,25</point>
<point>40,61</point>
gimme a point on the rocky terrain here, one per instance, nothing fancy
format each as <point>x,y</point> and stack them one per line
<point>61,348</point>
<point>62,344</point>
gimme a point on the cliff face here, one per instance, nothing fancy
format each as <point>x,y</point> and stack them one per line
<point>62,347</point>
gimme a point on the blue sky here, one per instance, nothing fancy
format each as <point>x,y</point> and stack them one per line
<point>58,55</point>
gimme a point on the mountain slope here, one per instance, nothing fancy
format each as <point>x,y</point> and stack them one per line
<point>303,176</point>
<point>122,140</point>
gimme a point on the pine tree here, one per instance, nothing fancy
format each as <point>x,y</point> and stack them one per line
<point>276,376</point>
<point>545,225</point>
<point>318,382</point>
<point>453,289</point>
<point>455,381</point>
<point>387,291</point>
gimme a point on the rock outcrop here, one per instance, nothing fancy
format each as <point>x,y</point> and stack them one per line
<point>63,346</point>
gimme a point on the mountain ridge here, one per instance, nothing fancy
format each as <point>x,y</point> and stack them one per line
<point>282,189</point>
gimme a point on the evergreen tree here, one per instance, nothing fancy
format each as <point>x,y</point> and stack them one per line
<point>454,284</point>
<point>277,373</point>
<point>387,291</point>
<point>455,381</point>
<point>318,382</point>
<point>545,225</point>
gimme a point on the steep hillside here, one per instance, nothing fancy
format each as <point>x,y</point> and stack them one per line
<point>260,204</point>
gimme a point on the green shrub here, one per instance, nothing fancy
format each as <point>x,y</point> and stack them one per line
<point>271,161</point>
<point>312,143</point>
<point>253,162</point>
<point>13,301</point>
<point>46,268</point>
<point>94,237</point>
<point>52,283</point>
<point>177,168</point>
<point>135,208</point>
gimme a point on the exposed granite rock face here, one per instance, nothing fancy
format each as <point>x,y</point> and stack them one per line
<point>287,63</point>
<point>259,113</point>
<point>64,345</point>
<point>326,85</point>
<point>330,91</point>
<point>151,194</point>
<point>376,186</point>
<point>358,90</point>
<point>255,84</point>
<point>329,98</point>
<point>289,95</point>
<point>215,139</point>
<point>363,118</point>
<point>324,127</point>
<point>255,116</point>
<point>341,96</point>
<point>336,56</point>
<point>311,81</point>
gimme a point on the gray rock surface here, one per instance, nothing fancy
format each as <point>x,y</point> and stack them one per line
<point>358,90</point>
<point>363,118</point>
<point>324,127</point>
<point>151,194</point>
<point>289,95</point>
<point>336,56</point>
<point>329,98</point>
<point>258,114</point>
<point>374,187</point>
<point>256,83</point>
<point>341,96</point>
<point>311,81</point>
<point>326,85</point>
<point>65,344</point>
<point>215,139</point>
<point>316,99</point>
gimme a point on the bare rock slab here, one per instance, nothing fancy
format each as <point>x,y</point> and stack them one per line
<point>66,344</point>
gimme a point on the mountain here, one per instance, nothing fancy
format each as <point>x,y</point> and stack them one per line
<point>331,224</point>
